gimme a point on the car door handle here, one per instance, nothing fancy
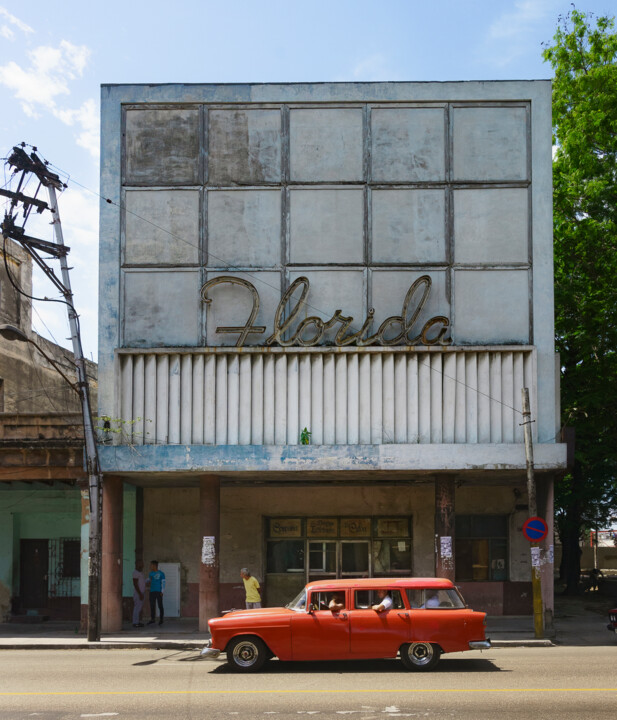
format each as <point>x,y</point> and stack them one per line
<point>343,616</point>
<point>403,615</point>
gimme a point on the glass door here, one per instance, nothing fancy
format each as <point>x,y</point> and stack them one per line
<point>323,559</point>
<point>355,558</point>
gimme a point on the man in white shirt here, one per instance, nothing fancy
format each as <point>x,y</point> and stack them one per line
<point>385,601</point>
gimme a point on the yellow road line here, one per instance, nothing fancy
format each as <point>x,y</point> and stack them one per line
<point>306,692</point>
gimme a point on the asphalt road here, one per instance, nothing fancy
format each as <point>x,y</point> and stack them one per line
<point>554,682</point>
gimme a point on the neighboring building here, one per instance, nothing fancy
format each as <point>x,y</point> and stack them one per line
<point>249,233</point>
<point>41,462</point>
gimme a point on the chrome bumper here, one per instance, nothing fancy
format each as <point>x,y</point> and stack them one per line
<point>209,653</point>
<point>480,645</point>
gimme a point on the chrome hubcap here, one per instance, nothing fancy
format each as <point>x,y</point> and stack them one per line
<point>420,653</point>
<point>245,654</point>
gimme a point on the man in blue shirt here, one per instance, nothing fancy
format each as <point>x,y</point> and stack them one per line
<point>156,583</point>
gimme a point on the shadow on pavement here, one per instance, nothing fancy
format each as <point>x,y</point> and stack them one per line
<point>365,666</point>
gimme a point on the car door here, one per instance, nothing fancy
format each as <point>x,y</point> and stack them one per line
<point>321,634</point>
<point>377,634</point>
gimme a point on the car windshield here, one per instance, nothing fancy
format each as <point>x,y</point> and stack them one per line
<point>299,602</point>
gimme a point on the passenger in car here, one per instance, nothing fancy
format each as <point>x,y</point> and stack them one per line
<point>385,601</point>
<point>337,602</point>
<point>432,601</point>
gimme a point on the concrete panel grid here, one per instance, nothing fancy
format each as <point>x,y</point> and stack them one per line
<point>408,226</point>
<point>491,225</point>
<point>244,228</point>
<point>326,226</point>
<point>487,306</point>
<point>162,227</point>
<point>162,147</point>
<point>489,143</point>
<point>160,308</point>
<point>244,147</point>
<point>408,144</point>
<point>326,145</point>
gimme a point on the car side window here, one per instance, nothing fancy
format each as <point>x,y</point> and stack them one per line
<point>431,599</point>
<point>364,599</point>
<point>415,597</point>
<point>320,600</point>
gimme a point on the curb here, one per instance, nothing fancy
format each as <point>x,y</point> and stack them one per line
<point>522,643</point>
<point>163,645</point>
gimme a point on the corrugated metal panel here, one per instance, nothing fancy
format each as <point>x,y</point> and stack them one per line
<point>345,398</point>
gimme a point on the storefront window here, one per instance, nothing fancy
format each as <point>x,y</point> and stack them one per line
<point>481,547</point>
<point>339,546</point>
<point>322,557</point>
<point>392,557</point>
<point>354,559</point>
<point>285,556</point>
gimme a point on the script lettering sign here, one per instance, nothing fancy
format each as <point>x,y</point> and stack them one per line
<point>400,329</point>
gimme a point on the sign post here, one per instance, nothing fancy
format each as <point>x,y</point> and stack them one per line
<point>531,526</point>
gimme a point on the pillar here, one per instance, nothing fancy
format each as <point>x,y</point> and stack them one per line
<point>111,595</point>
<point>444,527</point>
<point>209,514</point>
<point>83,557</point>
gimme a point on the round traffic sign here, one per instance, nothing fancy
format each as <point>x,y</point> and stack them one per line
<point>535,529</point>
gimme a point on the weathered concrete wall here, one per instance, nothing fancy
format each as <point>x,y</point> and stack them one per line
<point>29,383</point>
<point>449,179</point>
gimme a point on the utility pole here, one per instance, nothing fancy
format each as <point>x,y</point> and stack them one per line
<point>536,581</point>
<point>27,164</point>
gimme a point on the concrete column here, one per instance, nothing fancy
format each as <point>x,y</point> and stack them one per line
<point>444,527</point>
<point>210,512</point>
<point>83,558</point>
<point>111,596</point>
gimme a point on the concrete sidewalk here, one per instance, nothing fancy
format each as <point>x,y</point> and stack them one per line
<point>578,621</point>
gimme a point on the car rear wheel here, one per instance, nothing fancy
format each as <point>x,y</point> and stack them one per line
<point>247,654</point>
<point>420,656</point>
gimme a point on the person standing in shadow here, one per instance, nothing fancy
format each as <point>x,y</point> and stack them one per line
<point>156,583</point>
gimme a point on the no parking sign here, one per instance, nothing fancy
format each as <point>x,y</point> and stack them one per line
<point>535,529</point>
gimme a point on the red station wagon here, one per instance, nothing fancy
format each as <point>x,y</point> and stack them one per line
<point>420,618</point>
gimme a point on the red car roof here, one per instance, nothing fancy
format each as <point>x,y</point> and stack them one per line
<point>374,583</point>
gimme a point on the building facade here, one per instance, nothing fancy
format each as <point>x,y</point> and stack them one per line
<point>43,548</point>
<point>319,305</point>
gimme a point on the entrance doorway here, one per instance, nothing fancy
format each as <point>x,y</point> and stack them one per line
<point>33,572</point>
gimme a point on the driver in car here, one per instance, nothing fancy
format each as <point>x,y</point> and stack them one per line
<point>337,602</point>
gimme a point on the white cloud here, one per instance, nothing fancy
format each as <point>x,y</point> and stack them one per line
<point>511,31</point>
<point>7,19</point>
<point>46,81</point>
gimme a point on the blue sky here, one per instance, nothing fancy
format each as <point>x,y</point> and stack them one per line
<point>54,57</point>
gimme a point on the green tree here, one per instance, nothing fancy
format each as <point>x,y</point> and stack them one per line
<point>583,56</point>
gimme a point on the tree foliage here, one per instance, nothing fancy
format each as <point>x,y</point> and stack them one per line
<point>583,56</point>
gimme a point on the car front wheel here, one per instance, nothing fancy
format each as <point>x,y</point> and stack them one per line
<point>247,654</point>
<point>420,656</point>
